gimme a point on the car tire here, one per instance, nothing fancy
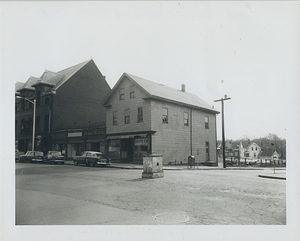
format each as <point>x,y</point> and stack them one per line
<point>75,163</point>
<point>62,163</point>
<point>87,164</point>
<point>93,164</point>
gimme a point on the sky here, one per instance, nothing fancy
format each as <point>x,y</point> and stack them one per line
<point>248,51</point>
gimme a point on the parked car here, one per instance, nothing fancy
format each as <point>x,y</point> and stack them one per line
<point>250,161</point>
<point>230,161</point>
<point>91,158</point>
<point>32,156</point>
<point>54,157</point>
<point>17,155</point>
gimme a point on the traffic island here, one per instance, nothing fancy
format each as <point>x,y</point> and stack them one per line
<point>152,166</point>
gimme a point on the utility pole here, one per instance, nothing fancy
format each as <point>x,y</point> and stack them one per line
<point>34,110</point>
<point>273,156</point>
<point>223,129</point>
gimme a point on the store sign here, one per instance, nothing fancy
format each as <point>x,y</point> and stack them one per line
<point>75,134</point>
<point>125,136</point>
<point>141,142</point>
<point>94,132</point>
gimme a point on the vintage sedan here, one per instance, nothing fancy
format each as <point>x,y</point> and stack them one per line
<point>32,156</point>
<point>91,158</point>
<point>54,157</point>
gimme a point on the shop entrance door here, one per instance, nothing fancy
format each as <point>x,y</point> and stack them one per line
<point>127,150</point>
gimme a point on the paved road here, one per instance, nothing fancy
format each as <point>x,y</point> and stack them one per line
<point>71,195</point>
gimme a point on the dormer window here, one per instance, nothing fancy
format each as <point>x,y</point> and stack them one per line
<point>47,101</point>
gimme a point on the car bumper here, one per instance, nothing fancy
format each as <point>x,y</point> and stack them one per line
<point>57,160</point>
<point>37,160</point>
<point>103,163</point>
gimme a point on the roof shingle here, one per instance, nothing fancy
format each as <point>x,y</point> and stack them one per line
<point>163,92</point>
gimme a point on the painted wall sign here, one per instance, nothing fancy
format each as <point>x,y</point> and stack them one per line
<point>75,134</point>
<point>141,142</point>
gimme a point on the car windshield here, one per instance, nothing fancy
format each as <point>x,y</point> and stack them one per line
<point>39,153</point>
<point>55,153</point>
<point>98,154</point>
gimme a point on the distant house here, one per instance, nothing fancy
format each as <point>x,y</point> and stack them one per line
<point>147,117</point>
<point>232,149</point>
<point>249,149</point>
<point>69,114</point>
<point>241,149</point>
<point>269,155</point>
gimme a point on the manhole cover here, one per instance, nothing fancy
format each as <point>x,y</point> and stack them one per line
<point>171,217</point>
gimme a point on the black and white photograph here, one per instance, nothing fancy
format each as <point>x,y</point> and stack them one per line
<point>168,120</point>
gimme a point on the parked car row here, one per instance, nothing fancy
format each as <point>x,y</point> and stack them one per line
<point>89,158</point>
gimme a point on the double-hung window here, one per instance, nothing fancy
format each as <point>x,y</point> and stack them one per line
<point>140,114</point>
<point>186,118</point>
<point>132,92</point>
<point>207,150</point>
<point>165,115</point>
<point>122,94</point>
<point>47,101</point>
<point>115,118</point>
<point>127,116</point>
<point>206,122</point>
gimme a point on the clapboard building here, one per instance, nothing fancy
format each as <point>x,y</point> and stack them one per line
<point>146,117</point>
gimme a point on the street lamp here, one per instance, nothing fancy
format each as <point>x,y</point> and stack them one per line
<point>33,128</point>
<point>223,131</point>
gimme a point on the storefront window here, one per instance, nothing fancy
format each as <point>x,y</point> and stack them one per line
<point>140,147</point>
<point>114,148</point>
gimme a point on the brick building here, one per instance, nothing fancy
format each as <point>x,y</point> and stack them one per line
<point>146,117</point>
<point>69,114</point>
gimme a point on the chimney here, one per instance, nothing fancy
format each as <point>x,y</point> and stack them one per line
<point>183,87</point>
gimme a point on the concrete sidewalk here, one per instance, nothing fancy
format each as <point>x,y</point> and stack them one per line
<point>179,167</point>
<point>281,172</point>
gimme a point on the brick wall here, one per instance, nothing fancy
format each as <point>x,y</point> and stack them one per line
<point>77,102</point>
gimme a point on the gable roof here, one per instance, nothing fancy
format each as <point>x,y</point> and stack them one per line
<point>28,84</point>
<point>56,79</point>
<point>247,144</point>
<point>162,92</point>
<point>268,153</point>
<point>18,85</point>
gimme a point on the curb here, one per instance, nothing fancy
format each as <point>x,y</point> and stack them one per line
<point>181,169</point>
<point>272,177</point>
